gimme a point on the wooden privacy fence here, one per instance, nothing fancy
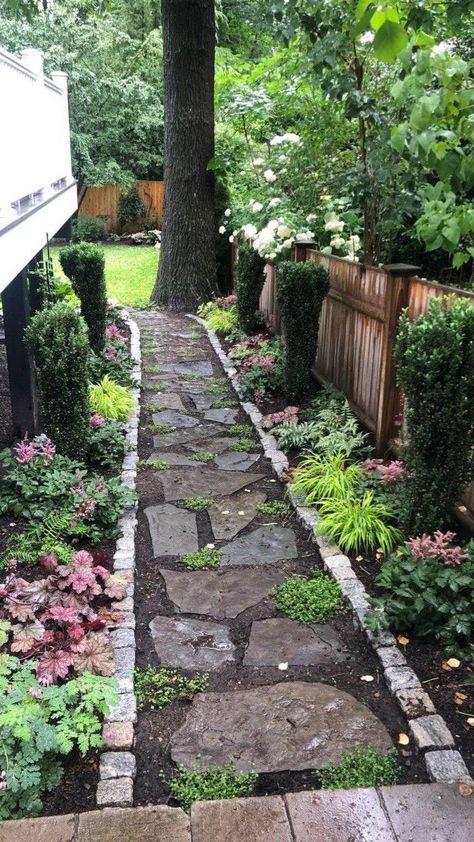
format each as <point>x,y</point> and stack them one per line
<point>357,333</point>
<point>104,201</point>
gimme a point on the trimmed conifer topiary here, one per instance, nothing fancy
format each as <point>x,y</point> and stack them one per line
<point>84,265</point>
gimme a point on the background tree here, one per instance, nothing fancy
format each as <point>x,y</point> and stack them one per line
<point>187,270</point>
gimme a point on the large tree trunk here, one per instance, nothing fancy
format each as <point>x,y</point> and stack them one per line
<point>187,270</point>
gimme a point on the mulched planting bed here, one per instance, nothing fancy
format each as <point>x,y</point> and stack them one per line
<point>156,727</point>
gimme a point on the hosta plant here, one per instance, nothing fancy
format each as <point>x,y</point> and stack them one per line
<point>358,524</point>
<point>109,399</point>
<point>39,725</point>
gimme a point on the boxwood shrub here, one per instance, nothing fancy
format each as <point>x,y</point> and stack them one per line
<point>84,265</point>
<point>250,280</point>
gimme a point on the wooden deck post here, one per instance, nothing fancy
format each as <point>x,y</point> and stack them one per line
<point>396,299</point>
<point>23,395</point>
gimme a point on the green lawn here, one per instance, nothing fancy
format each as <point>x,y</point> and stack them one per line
<point>130,272</point>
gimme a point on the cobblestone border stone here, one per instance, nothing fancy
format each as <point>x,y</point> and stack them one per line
<point>428,729</point>
<point>117,768</point>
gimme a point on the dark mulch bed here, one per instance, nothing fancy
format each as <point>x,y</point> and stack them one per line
<point>155,728</point>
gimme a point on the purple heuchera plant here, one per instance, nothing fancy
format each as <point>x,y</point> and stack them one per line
<point>438,547</point>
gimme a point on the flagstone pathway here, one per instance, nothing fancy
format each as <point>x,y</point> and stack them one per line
<point>282,697</point>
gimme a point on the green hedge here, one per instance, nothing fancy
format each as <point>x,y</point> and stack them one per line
<point>435,360</point>
<point>58,339</point>
<point>84,265</point>
<point>301,290</point>
<point>249,284</point>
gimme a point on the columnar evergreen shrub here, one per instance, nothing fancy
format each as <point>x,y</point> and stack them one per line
<point>84,265</point>
<point>250,281</point>
<point>301,290</point>
<point>435,359</point>
<point>58,339</point>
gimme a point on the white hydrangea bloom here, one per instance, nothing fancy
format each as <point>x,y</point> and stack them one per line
<point>305,235</point>
<point>283,231</point>
<point>291,137</point>
<point>258,162</point>
<point>269,176</point>
<point>326,197</point>
<point>274,202</point>
<point>334,226</point>
<point>257,207</point>
<point>287,244</point>
<point>277,140</point>
<point>222,229</point>
<point>312,217</point>
<point>231,238</point>
<point>283,158</point>
<point>249,231</point>
<point>337,242</point>
<point>367,38</point>
<point>227,212</point>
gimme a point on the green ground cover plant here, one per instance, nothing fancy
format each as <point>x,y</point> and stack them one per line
<point>154,464</point>
<point>225,403</point>
<point>212,784</point>
<point>160,429</point>
<point>274,509</point>
<point>106,443</point>
<point>244,445</point>
<point>197,504</point>
<point>156,688</point>
<point>202,456</point>
<point>363,767</point>
<point>245,430</point>
<point>202,559</point>
<point>311,600</point>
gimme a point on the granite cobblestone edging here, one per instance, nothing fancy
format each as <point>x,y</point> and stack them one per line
<point>428,729</point>
<point>117,768</point>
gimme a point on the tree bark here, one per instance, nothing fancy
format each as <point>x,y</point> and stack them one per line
<point>187,270</point>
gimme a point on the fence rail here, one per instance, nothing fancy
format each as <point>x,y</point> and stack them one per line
<point>357,334</point>
<point>104,201</point>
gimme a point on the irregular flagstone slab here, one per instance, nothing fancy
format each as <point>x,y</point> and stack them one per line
<point>232,514</point>
<point>221,594</point>
<point>175,419</point>
<point>186,436</point>
<point>299,644</point>
<point>168,400</point>
<point>203,401</point>
<point>262,546</point>
<point>223,416</point>
<point>234,461</point>
<point>173,531</point>
<point>202,368</point>
<point>280,727</point>
<point>191,644</point>
<point>217,445</point>
<point>174,459</point>
<point>205,482</point>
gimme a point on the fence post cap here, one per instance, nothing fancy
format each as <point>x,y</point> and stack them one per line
<point>307,243</point>
<point>401,268</point>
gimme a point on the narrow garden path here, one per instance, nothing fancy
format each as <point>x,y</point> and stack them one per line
<point>282,697</point>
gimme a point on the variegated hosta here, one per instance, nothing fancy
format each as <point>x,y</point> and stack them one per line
<point>57,619</point>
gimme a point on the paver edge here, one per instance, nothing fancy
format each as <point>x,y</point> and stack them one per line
<point>353,589</point>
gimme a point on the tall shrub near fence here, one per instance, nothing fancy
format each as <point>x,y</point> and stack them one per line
<point>58,339</point>
<point>84,264</point>
<point>301,290</point>
<point>435,359</point>
<point>250,279</point>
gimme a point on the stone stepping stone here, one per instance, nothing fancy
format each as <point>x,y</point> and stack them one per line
<point>217,445</point>
<point>232,514</point>
<point>221,594</point>
<point>287,726</point>
<point>200,434</point>
<point>234,461</point>
<point>175,419</point>
<point>203,401</point>
<point>179,483</point>
<point>202,368</point>
<point>168,400</point>
<point>262,546</point>
<point>174,459</point>
<point>173,531</point>
<point>222,416</point>
<point>191,644</point>
<point>299,644</point>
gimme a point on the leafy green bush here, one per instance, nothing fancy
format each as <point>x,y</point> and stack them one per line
<point>301,290</point>
<point>358,524</point>
<point>328,427</point>
<point>363,767</point>
<point>46,536</point>
<point>156,688</point>
<point>39,724</point>
<point>428,592</point>
<point>326,479</point>
<point>131,207</point>
<point>84,265</point>
<point>311,600</point>
<point>106,444</point>
<point>435,359</point>
<point>58,340</point>
<point>208,557</point>
<point>250,279</point>
<point>110,400</point>
<point>212,784</point>
<point>87,229</point>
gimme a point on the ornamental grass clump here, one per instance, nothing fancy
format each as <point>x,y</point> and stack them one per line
<point>110,400</point>
<point>435,362</point>
<point>301,290</point>
<point>58,340</point>
<point>250,279</point>
<point>84,264</point>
